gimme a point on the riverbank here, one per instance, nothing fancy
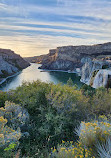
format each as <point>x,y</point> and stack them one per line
<point>45,70</point>
<point>4,79</point>
<point>32,73</point>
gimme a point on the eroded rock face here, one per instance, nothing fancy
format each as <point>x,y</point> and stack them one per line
<point>79,59</point>
<point>10,63</point>
<point>86,71</point>
<point>7,67</point>
<point>94,74</point>
<point>101,79</point>
<point>73,55</point>
<point>89,67</point>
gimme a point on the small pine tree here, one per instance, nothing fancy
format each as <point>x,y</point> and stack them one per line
<point>70,82</point>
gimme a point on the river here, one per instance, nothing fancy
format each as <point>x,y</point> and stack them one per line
<point>32,73</point>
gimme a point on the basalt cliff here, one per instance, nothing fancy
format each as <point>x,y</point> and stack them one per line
<point>10,63</point>
<point>69,57</point>
<point>91,62</point>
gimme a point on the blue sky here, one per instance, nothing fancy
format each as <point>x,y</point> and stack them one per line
<point>32,27</point>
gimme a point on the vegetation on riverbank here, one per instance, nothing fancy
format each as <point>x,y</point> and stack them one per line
<point>63,120</point>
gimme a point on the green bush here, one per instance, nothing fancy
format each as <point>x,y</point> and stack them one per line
<point>70,149</point>
<point>55,111</point>
<point>105,66</point>
<point>93,133</point>
<point>70,82</point>
<point>101,102</point>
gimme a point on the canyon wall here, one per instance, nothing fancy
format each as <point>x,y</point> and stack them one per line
<point>10,63</point>
<point>96,73</point>
<point>69,57</point>
<point>84,60</point>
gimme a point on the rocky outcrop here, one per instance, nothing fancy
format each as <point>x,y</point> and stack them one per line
<point>84,60</point>
<point>36,59</point>
<point>10,63</point>
<point>42,59</point>
<point>96,73</point>
<point>69,57</point>
<point>90,68</point>
<point>102,79</point>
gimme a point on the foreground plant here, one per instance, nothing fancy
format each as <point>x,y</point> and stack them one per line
<point>12,118</point>
<point>7,134</point>
<point>91,133</point>
<point>104,150</point>
<point>68,150</point>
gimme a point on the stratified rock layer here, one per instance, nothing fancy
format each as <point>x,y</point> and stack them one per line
<point>102,79</point>
<point>69,57</point>
<point>90,68</point>
<point>10,63</point>
<point>86,61</point>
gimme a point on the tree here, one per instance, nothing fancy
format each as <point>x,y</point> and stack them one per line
<point>70,82</point>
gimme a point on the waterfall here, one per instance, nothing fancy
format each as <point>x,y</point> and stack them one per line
<point>101,78</point>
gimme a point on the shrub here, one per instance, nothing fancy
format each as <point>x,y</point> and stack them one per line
<point>70,82</point>
<point>68,100</point>
<point>105,66</point>
<point>7,136</point>
<point>87,90</point>
<point>92,133</point>
<point>16,115</point>
<point>68,150</point>
<point>100,103</point>
<point>89,133</point>
<point>55,111</point>
<point>3,98</point>
<point>12,118</point>
<point>104,150</point>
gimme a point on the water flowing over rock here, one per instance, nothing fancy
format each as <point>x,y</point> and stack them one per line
<point>101,79</point>
<point>90,68</point>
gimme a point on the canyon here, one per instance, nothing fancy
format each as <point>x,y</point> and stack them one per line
<point>10,63</point>
<point>91,62</point>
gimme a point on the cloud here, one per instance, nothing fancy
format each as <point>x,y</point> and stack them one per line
<point>33,28</point>
<point>68,29</point>
<point>86,8</point>
<point>40,44</point>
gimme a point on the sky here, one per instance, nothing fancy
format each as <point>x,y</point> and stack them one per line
<point>32,27</point>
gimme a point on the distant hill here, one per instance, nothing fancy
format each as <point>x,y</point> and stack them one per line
<point>10,63</point>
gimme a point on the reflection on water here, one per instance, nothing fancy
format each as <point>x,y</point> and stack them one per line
<point>32,73</point>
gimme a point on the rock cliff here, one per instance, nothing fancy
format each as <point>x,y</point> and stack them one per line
<point>102,79</point>
<point>10,63</point>
<point>95,72</point>
<point>42,59</point>
<point>86,61</point>
<point>69,57</point>
<point>90,67</point>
